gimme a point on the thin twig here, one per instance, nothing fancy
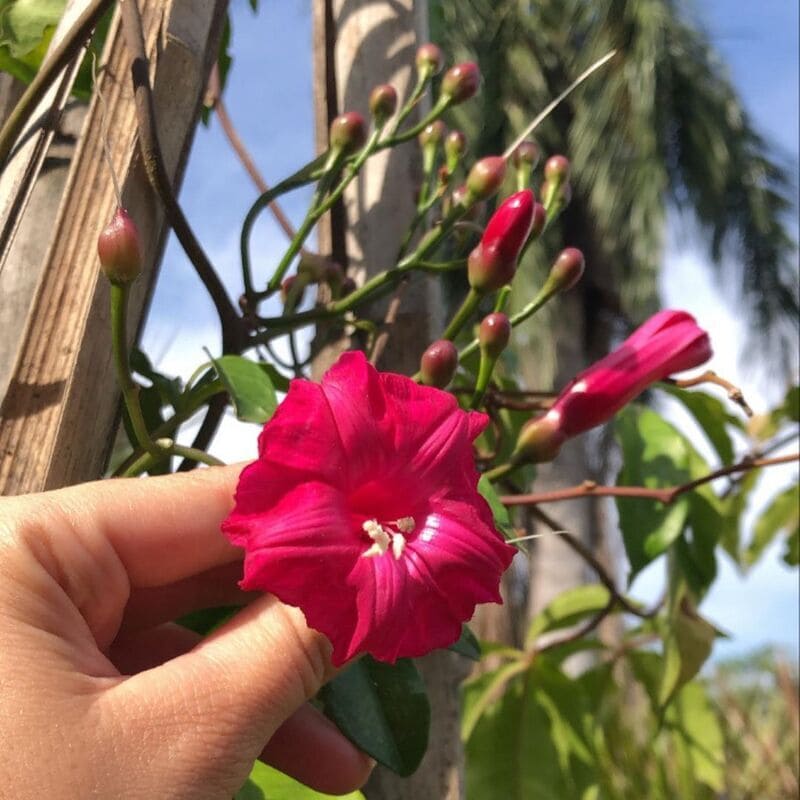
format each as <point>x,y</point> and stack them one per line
<point>233,332</point>
<point>735,394</point>
<point>665,496</point>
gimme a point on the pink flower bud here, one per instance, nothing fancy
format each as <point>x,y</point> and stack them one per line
<point>461,82</point>
<point>432,134</point>
<point>382,102</point>
<point>119,248</point>
<point>486,177</point>
<point>429,60</point>
<point>494,333</point>
<point>438,363</point>
<point>669,342</point>
<point>526,153</point>
<point>348,132</point>
<point>539,220</point>
<point>538,441</point>
<point>556,169</point>
<point>567,269</point>
<point>493,262</point>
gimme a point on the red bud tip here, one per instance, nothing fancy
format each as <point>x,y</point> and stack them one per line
<point>438,364</point>
<point>348,132</point>
<point>493,262</point>
<point>461,82</point>
<point>429,60</point>
<point>486,177</point>
<point>567,269</point>
<point>382,102</point>
<point>433,134</point>
<point>539,440</point>
<point>527,153</point>
<point>119,248</point>
<point>286,288</point>
<point>494,333</point>
<point>556,168</point>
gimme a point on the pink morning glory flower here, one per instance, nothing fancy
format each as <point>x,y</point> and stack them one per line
<point>668,342</point>
<point>362,510</point>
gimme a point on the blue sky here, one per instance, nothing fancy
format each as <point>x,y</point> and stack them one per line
<point>268,95</point>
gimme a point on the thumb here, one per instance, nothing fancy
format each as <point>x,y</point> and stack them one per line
<point>215,707</point>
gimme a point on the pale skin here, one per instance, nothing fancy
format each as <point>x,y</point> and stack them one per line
<point>102,696</point>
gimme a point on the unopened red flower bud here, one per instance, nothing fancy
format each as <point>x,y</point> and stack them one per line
<point>120,249</point>
<point>567,269</point>
<point>527,153</point>
<point>556,168</point>
<point>493,262</point>
<point>382,102</point>
<point>539,440</point>
<point>461,82</point>
<point>494,333</point>
<point>432,134</point>
<point>438,363</point>
<point>486,177</point>
<point>429,60</point>
<point>348,132</point>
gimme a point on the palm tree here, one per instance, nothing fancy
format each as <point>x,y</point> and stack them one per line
<point>660,128</point>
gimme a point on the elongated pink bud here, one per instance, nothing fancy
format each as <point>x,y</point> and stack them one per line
<point>486,177</point>
<point>493,262</point>
<point>120,249</point>
<point>567,269</point>
<point>438,363</point>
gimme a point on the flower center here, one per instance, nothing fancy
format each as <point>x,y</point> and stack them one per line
<point>387,534</point>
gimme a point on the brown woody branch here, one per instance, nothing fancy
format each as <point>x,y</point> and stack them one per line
<point>709,376</point>
<point>665,496</point>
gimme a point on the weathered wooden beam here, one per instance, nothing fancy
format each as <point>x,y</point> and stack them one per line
<point>59,413</point>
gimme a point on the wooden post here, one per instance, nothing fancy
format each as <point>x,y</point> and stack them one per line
<point>358,44</point>
<point>58,416</point>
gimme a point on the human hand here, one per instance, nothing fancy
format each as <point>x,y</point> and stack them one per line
<point>102,696</point>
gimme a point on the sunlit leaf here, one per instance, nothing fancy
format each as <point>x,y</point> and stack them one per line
<point>500,513</point>
<point>266,783</point>
<point>250,388</point>
<point>782,515</point>
<point>568,609</point>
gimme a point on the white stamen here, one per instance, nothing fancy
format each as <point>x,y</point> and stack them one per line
<point>405,524</point>
<point>398,545</point>
<point>378,535</point>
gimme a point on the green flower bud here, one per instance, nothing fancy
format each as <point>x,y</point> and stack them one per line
<point>382,102</point>
<point>556,168</point>
<point>567,269</point>
<point>494,333</point>
<point>455,145</point>
<point>539,440</point>
<point>432,134</point>
<point>429,60</point>
<point>527,153</point>
<point>486,177</point>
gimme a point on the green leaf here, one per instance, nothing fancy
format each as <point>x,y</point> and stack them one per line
<point>711,415</point>
<point>782,514</point>
<point>266,783</point>
<point>383,709</point>
<point>792,553</point>
<point>567,609</point>
<point>23,23</point>
<point>697,732</point>
<point>533,741</point>
<point>171,389</point>
<point>687,646</point>
<point>500,513</point>
<point>208,619</point>
<point>467,645</point>
<point>250,387</point>
<point>696,547</point>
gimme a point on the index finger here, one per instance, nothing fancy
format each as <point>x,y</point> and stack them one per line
<point>162,528</point>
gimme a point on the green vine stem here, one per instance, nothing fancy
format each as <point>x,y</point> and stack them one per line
<point>485,369</point>
<point>462,315</point>
<point>64,52</point>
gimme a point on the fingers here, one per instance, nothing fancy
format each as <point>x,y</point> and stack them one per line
<point>163,529</point>
<point>233,690</point>
<point>216,587</point>
<point>310,748</point>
